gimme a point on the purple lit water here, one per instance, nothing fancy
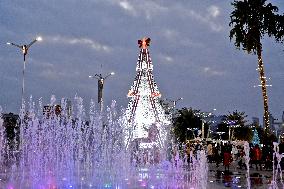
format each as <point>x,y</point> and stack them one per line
<point>79,151</point>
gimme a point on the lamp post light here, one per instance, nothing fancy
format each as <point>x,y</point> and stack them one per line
<point>101,81</point>
<point>25,48</point>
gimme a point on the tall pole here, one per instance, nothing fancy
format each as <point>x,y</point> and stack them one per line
<point>101,81</point>
<point>24,49</point>
<point>100,92</point>
<point>23,84</point>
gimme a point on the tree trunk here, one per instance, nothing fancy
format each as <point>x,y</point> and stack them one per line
<point>263,88</point>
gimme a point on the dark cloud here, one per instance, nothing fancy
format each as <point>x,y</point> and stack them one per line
<point>192,55</point>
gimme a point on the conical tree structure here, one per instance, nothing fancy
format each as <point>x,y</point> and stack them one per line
<point>255,139</point>
<point>145,116</point>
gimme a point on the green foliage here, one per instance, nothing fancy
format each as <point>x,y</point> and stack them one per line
<point>222,127</point>
<point>239,129</point>
<point>251,20</point>
<point>239,118</point>
<point>185,121</point>
<point>243,133</point>
<point>236,123</point>
<point>266,138</point>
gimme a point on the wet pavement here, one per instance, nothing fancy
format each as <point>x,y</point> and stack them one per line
<point>220,179</point>
<point>235,178</point>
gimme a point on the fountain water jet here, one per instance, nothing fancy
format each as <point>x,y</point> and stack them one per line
<point>247,160</point>
<point>64,151</point>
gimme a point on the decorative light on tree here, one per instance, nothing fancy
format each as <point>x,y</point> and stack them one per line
<point>145,116</point>
<point>250,21</point>
<point>255,139</point>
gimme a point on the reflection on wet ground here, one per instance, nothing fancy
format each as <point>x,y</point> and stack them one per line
<point>218,179</point>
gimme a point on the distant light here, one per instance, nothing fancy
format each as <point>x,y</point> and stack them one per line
<point>39,38</point>
<point>90,76</point>
<point>211,181</point>
<point>8,43</point>
<point>112,73</point>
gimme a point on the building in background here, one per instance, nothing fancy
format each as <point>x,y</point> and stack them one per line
<point>255,121</point>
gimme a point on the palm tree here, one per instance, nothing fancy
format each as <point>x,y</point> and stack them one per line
<point>186,123</point>
<point>250,21</point>
<point>238,128</point>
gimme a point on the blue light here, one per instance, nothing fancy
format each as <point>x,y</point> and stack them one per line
<point>107,185</point>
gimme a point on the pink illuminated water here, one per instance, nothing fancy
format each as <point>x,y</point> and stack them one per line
<point>86,149</point>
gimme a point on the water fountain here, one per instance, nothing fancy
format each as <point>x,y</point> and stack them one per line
<point>276,167</point>
<point>72,151</point>
<point>247,160</point>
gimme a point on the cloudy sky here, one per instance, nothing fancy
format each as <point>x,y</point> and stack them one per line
<point>192,55</point>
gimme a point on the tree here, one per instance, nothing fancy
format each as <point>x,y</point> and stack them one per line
<point>237,121</point>
<point>186,123</point>
<point>237,118</point>
<point>222,131</point>
<point>265,138</point>
<point>233,126</point>
<point>255,139</point>
<point>250,21</point>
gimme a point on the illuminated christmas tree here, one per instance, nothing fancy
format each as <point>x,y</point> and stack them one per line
<point>146,118</point>
<point>255,138</point>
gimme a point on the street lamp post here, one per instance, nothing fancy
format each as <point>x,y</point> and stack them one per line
<point>101,81</point>
<point>24,49</point>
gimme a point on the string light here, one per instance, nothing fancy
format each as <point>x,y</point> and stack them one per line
<point>264,93</point>
<point>145,116</point>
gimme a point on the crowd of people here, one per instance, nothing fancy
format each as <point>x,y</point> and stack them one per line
<point>233,154</point>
